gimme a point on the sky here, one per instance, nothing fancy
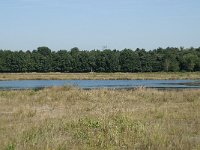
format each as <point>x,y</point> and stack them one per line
<point>93,24</point>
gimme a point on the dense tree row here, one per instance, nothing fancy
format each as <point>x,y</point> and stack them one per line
<point>127,60</point>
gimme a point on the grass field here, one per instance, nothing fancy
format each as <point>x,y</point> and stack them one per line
<point>97,76</point>
<point>70,118</point>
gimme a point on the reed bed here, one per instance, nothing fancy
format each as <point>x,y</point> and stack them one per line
<point>60,118</point>
<point>100,76</point>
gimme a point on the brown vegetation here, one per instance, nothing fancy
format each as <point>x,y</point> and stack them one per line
<point>100,76</point>
<point>71,118</point>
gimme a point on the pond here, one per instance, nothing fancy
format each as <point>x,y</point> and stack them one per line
<point>90,84</point>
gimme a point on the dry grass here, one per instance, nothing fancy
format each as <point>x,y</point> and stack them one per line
<point>71,118</point>
<point>97,76</point>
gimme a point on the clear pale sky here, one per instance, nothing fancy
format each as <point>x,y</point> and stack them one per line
<point>91,24</point>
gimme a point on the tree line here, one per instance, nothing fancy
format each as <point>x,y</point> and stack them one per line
<point>170,59</point>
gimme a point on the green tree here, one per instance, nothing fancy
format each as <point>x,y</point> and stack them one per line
<point>189,61</point>
<point>129,61</point>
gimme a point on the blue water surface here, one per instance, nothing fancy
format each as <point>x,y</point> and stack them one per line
<point>90,84</point>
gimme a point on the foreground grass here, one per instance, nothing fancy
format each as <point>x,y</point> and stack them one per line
<point>97,76</point>
<point>71,118</point>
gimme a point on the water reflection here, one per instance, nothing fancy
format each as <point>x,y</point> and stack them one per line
<point>90,84</point>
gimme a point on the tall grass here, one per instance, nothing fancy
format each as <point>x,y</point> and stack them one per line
<point>71,118</point>
<point>97,76</point>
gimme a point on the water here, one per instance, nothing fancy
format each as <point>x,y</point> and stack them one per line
<point>90,84</point>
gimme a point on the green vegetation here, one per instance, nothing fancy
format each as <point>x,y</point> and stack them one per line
<point>71,118</point>
<point>100,76</point>
<point>44,60</point>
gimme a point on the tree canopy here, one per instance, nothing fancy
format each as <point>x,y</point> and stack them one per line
<point>127,60</point>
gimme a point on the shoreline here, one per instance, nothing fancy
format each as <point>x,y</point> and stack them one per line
<point>101,76</point>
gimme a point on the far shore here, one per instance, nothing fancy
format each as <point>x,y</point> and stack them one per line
<point>101,76</point>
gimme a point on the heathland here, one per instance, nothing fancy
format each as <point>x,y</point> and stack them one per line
<point>72,118</point>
